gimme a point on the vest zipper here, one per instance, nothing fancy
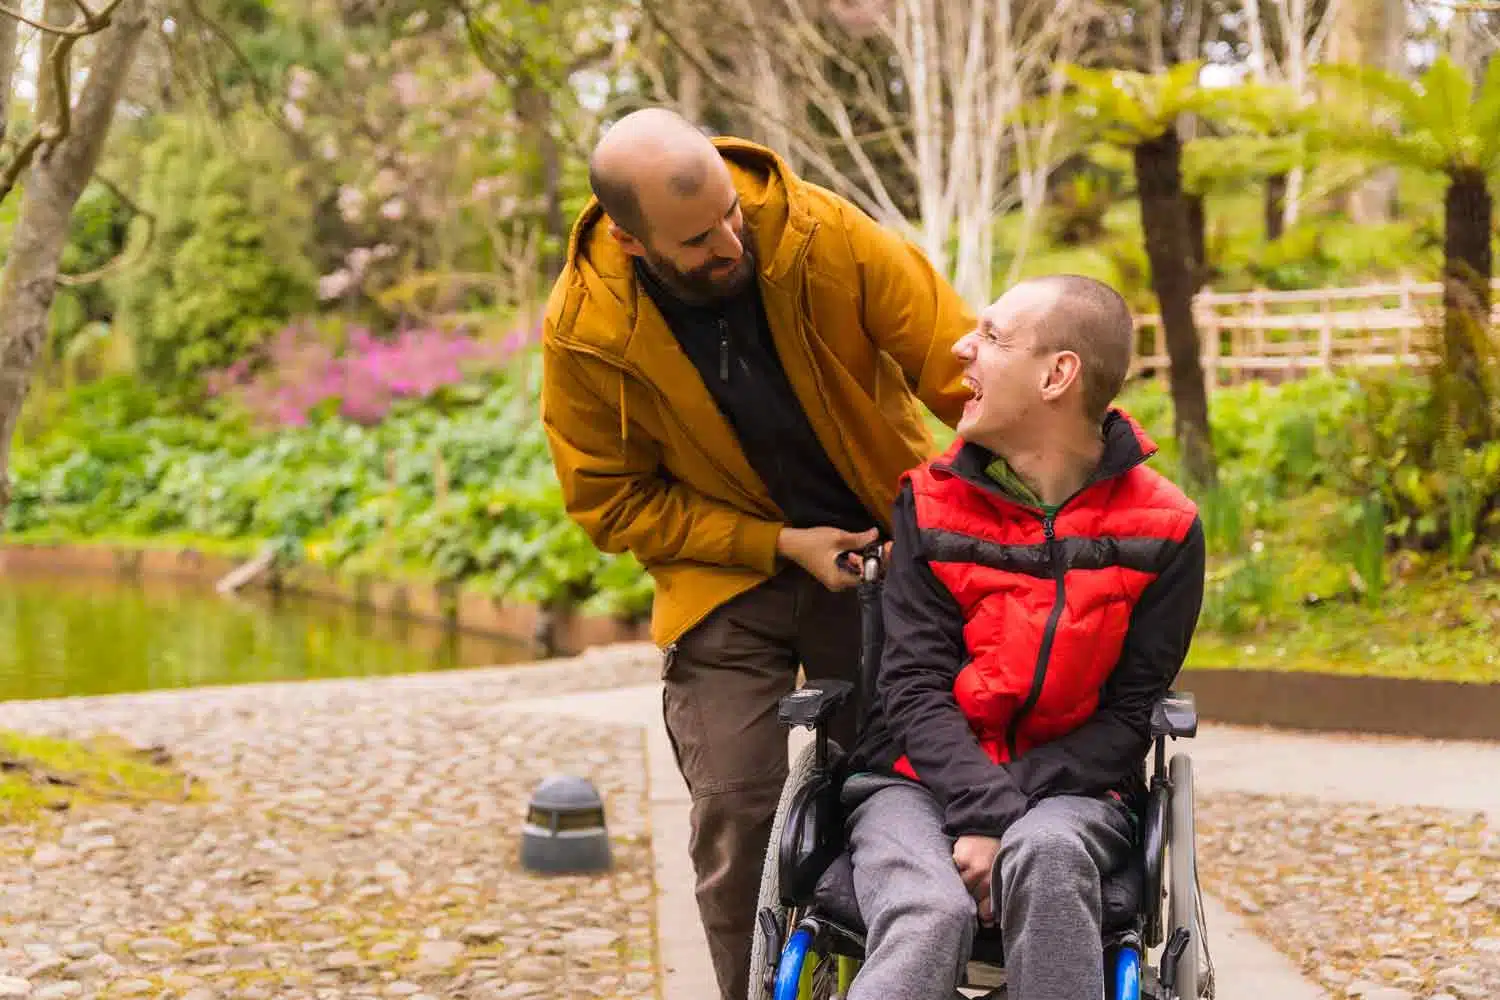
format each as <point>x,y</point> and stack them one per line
<point>1039,672</point>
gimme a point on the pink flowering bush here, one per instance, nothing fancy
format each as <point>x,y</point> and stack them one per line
<point>300,373</point>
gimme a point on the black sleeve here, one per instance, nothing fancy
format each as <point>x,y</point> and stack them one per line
<point>1111,744</point>
<point>924,651</point>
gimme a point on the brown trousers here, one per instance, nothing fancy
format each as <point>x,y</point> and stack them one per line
<point>723,680</point>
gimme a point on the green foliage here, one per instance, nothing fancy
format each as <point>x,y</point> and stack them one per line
<point>1323,482</point>
<point>1125,107</point>
<point>1079,206</point>
<point>1225,163</point>
<point>461,493</point>
<point>97,236</point>
<point>1438,122</point>
<point>229,264</point>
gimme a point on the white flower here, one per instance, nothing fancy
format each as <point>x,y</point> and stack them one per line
<point>331,286</point>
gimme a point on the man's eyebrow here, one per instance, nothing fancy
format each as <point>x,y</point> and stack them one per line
<point>705,234</point>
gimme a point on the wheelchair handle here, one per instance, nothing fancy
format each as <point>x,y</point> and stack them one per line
<point>867,563</point>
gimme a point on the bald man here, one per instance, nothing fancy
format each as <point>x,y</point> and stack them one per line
<point>736,362</point>
<point>1043,588</point>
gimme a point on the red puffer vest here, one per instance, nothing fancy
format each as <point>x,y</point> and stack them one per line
<point>1046,602</point>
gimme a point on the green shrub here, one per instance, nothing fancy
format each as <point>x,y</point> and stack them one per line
<point>230,261</point>
<point>463,493</point>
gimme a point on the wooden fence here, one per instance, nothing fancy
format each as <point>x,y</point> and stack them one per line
<point>1276,335</point>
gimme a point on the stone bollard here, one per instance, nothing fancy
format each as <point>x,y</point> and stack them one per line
<point>564,832</point>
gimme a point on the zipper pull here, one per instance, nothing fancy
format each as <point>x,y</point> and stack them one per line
<point>1047,530</point>
<point>723,351</point>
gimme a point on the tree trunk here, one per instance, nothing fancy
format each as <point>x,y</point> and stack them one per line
<point>1467,266</point>
<point>53,185</point>
<point>689,90</point>
<point>1164,219</point>
<point>8,57</point>
<point>1275,209</point>
<point>1197,222</point>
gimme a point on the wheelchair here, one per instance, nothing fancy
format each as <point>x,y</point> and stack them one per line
<point>809,937</point>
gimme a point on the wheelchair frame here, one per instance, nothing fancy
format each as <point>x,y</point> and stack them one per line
<point>800,954</point>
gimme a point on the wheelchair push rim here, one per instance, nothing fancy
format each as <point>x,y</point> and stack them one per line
<point>1182,864</point>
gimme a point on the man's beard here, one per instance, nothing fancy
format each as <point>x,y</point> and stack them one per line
<point>708,283</point>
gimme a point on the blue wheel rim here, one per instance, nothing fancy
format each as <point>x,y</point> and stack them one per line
<point>789,969</point>
<point>1127,974</point>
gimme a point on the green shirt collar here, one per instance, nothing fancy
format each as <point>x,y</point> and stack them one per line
<point>1013,486</point>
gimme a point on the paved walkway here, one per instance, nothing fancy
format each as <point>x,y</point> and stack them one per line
<point>1343,769</point>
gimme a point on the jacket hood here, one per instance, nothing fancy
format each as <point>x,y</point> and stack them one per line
<point>600,298</point>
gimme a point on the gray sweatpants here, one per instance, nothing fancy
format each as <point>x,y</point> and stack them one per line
<point>920,919</point>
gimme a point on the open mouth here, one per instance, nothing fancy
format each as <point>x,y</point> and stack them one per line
<point>973,386</point>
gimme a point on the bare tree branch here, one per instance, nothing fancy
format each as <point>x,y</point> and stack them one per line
<point>263,99</point>
<point>45,133</point>
<point>28,280</point>
<point>125,259</point>
<point>805,143</point>
<point>48,134</point>
<point>9,58</point>
<point>92,23</point>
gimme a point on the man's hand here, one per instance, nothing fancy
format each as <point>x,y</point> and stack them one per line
<point>817,551</point>
<point>975,855</point>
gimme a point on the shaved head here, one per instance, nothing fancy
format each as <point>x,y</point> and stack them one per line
<point>648,153</point>
<point>1091,319</point>
<point>672,204</point>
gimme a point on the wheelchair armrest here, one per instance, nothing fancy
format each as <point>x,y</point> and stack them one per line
<point>813,705</point>
<point>1176,716</point>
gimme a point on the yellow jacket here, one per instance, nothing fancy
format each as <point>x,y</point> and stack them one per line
<point>865,328</point>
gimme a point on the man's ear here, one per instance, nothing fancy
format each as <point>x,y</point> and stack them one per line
<point>628,243</point>
<point>1066,370</point>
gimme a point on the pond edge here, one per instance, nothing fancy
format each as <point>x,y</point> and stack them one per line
<point>1241,695</point>
<point>559,632</point>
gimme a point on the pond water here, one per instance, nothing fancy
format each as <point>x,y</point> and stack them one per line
<point>90,634</point>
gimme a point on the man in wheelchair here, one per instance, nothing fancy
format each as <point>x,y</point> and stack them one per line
<point>1042,589</point>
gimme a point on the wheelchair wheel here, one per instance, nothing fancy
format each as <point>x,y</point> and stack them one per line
<point>1182,861</point>
<point>763,960</point>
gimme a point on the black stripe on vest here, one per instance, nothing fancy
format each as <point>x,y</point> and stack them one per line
<point>1148,555</point>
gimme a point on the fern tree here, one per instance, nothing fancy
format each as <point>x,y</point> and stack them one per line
<point>1138,112</point>
<point>1438,123</point>
<point>1266,126</point>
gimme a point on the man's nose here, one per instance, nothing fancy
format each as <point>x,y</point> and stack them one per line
<point>729,246</point>
<point>963,348</point>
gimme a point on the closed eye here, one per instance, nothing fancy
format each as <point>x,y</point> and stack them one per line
<point>701,238</point>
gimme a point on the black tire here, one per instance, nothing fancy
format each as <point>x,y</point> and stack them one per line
<point>1182,867</point>
<point>761,963</point>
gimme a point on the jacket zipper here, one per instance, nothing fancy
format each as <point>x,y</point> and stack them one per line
<point>817,376</point>
<point>723,350</point>
<point>1039,672</point>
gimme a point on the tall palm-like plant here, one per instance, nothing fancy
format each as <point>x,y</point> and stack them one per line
<point>1443,124</point>
<point>1139,112</point>
<point>1267,126</point>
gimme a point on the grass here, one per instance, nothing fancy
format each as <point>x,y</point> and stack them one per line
<point>1294,600</point>
<point>1436,629</point>
<point>41,775</point>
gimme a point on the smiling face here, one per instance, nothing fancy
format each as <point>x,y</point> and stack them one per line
<point>1015,377</point>
<point>697,243</point>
